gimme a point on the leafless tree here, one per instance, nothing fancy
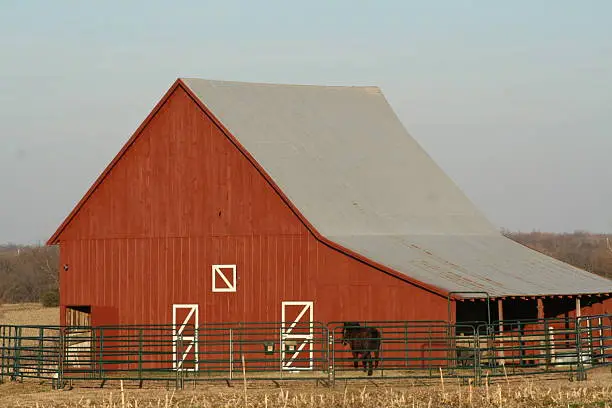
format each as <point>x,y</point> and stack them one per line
<point>592,252</point>
<point>28,273</point>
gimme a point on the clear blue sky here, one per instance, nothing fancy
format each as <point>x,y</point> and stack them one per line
<point>512,99</point>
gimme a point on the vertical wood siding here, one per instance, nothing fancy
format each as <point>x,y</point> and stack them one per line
<point>143,277</point>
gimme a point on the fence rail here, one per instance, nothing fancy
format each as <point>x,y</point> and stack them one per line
<point>266,351</point>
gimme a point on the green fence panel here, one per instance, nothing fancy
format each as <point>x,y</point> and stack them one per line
<point>334,351</point>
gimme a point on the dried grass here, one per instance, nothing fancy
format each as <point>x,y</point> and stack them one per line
<point>526,394</point>
<point>28,314</point>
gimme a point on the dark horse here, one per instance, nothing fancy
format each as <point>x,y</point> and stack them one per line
<point>364,341</point>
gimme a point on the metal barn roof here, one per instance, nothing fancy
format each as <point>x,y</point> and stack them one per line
<point>346,162</point>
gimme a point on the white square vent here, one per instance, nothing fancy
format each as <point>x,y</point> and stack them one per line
<point>224,278</point>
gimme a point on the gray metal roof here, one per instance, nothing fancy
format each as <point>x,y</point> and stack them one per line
<point>493,264</point>
<point>347,163</point>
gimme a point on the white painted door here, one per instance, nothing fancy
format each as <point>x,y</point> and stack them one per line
<point>185,325</point>
<point>297,334</point>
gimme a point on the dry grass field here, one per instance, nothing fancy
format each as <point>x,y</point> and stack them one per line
<point>28,314</point>
<point>516,392</point>
<point>596,392</point>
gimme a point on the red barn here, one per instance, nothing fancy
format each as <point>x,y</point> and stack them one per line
<point>261,202</point>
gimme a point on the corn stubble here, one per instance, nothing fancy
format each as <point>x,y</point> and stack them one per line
<point>527,394</point>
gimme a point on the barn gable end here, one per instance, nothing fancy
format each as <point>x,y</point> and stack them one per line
<point>180,177</point>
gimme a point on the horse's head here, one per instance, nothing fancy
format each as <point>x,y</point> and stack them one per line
<point>347,329</point>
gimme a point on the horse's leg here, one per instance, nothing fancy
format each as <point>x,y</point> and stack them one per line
<point>376,358</point>
<point>355,359</point>
<point>366,358</point>
<point>369,362</point>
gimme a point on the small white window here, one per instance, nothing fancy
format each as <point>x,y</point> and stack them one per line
<point>224,278</point>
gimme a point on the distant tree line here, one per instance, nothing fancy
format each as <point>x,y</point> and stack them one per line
<point>591,252</point>
<point>30,273</point>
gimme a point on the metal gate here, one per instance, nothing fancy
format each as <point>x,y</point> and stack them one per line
<point>185,324</point>
<point>297,335</point>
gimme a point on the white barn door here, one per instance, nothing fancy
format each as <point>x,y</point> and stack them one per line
<point>297,334</point>
<point>185,324</point>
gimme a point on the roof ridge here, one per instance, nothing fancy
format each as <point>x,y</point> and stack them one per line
<point>218,82</point>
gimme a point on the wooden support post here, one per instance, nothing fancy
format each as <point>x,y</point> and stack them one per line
<point>500,317</point>
<point>452,317</point>
<point>541,329</point>
<point>578,314</point>
<point>540,309</point>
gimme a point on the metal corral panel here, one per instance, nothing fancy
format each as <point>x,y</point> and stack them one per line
<point>347,163</point>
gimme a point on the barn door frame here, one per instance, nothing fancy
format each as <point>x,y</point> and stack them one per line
<point>304,340</point>
<point>190,342</point>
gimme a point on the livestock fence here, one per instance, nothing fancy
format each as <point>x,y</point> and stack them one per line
<point>308,351</point>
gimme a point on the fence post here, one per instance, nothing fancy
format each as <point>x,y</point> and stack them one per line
<point>40,357</point>
<point>590,331</point>
<point>547,345</point>
<point>476,351</point>
<point>520,344</point>
<point>140,356</point>
<point>406,344</point>
<point>2,353</point>
<point>101,355</point>
<point>451,349</point>
<point>381,356</point>
<point>429,350</point>
<point>491,347</point>
<point>282,350</point>
<point>60,358</point>
<point>331,375</point>
<point>17,371</point>
<point>231,354</point>
<point>580,371</point>
<point>179,370</point>
<point>602,345</point>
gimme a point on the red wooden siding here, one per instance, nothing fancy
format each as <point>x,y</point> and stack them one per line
<point>601,307</point>
<point>183,198</point>
<point>182,177</point>
<point>142,278</point>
